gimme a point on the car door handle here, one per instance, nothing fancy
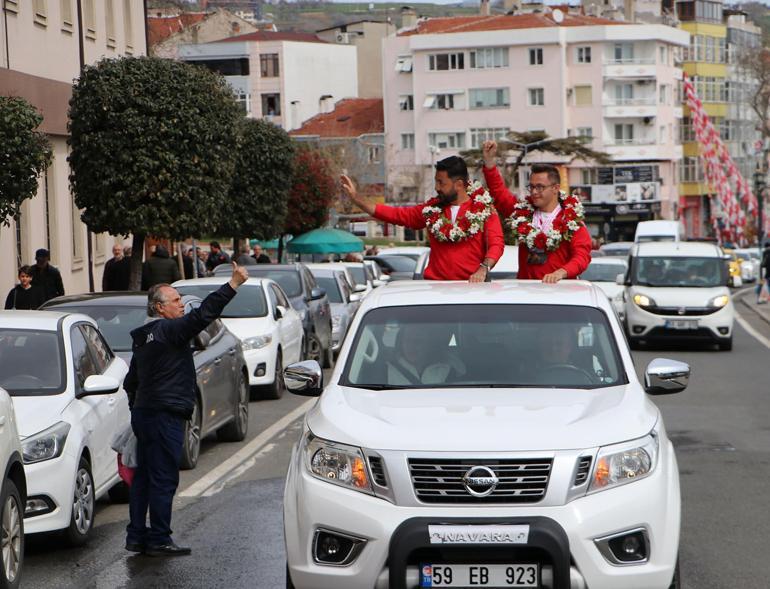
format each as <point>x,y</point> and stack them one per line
<point>217,362</point>
<point>231,351</point>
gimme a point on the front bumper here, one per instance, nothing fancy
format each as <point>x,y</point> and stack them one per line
<point>261,359</point>
<point>643,325</point>
<point>53,480</point>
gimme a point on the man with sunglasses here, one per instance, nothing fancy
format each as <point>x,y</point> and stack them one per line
<point>562,245</point>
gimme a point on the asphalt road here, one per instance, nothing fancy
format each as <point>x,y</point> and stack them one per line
<point>720,426</point>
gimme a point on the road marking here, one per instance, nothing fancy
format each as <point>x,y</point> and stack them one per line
<point>747,326</point>
<point>212,477</point>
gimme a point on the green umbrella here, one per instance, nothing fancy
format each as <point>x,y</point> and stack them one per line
<point>325,241</point>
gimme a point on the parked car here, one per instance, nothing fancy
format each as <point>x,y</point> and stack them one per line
<point>507,266</point>
<point>678,291</point>
<point>344,302</point>
<point>347,273</point>
<point>67,394</point>
<point>493,432</point>
<point>397,267</point>
<point>751,267</point>
<point>222,382</point>
<point>617,249</point>
<point>604,272</point>
<point>380,278</point>
<point>659,230</point>
<point>413,251</point>
<point>13,496</point>
<point>734,267</point>
<point>362,275</point>
<point>268,328</point>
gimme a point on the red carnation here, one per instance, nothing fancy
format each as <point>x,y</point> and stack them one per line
<point>524,228</point>
<point>464,224</point>
<point>558,225</point>
<point>570,201</point>
<point>540,241</point>
<point>445,229</point>
<point>570,214</point>
<point>522,213</point>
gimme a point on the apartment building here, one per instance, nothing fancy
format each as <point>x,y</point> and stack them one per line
<point>41,46</point>
<point>285,77</point>
<point>451,83</point>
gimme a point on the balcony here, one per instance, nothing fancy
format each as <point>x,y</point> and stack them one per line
<point>631,68</point>
<point>644,148</point>
<point>630,107</point>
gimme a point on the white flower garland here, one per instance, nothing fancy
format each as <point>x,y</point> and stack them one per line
<point>476,215</point>
<point>563,228</point>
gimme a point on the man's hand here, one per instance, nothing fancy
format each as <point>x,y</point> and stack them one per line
<point>555,276</point>
<point>489,149</point>
<point>240,275</point>
<point>350,189</point>
<point>479,275</point>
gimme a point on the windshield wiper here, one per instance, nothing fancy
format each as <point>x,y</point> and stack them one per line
<point>381,387</point>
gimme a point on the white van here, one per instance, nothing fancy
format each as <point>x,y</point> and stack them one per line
<point>658,231</point>
<point>678,291</point>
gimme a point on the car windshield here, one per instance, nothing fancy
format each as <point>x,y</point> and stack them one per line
<point>332,288</point>
<point>358,274</point>
<point>678,272</point>
<point>288,279</point>
<point>602,272</point>
<point>505,346</point>
<point>31,362</point>
<point>115,322</point>
<point>400,263</point>
<point>248,302</point>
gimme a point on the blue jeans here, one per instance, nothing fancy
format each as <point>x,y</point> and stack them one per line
<point>160,436</point>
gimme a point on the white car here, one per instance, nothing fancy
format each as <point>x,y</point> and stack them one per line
<point>380,278</point>
<point>69,401</point>
<point>751,267</point>
<point>604,272</point>
<point>678,291</point>
<point>13,496</point>
<point>354,285</point>
<point>489,435</point>
<point>262,318</point>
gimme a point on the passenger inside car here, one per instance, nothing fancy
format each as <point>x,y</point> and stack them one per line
<point>424,356</point>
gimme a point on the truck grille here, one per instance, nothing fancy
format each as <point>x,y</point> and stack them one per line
<point>441,480</point>
<point>682,311</point>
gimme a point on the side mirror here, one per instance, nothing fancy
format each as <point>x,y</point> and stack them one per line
<point>355,297</point>
<point>201,341</point>
<point>385,278</point>
<point>359,288</point>
<point>317,293</point>
<point>304,378</point>
<point>100,384</point>
<point>280,312</point>
<point>620,279</point>
<point>376,283</point>
<point>665,377</point>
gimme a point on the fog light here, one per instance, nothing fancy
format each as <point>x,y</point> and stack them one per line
<point>723,330</point>
<point>336,549</point>
<point>630,547</point>
<point>38,506</point>
<point>638,328</point>
<point>261,369</point>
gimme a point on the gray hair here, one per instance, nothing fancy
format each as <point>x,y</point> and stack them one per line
<point>154,297</point>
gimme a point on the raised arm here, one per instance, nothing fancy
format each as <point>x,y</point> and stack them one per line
<point>406,216</point>
<point>504,199</point>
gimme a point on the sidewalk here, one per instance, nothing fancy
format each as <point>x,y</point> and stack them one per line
<point>747,300</point>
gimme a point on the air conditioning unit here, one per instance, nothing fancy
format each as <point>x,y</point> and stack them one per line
<point>647,120</point>
<point>343,38</point>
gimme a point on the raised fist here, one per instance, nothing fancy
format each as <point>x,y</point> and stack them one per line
<point>489,149</point>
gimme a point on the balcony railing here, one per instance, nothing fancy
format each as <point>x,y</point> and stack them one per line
<point>630,61</point>
<point>615,142</point>
<point>650,101</point>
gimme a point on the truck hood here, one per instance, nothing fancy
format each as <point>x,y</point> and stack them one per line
<point>482,420</point>
<point>36,413</point>
<point>679,297</point>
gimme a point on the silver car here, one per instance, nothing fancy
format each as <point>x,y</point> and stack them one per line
<point>344,303</point>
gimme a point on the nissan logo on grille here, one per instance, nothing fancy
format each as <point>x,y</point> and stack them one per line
<point>480,481</point>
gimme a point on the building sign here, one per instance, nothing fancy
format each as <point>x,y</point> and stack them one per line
<point>627,174</point>
<point>618,193</point>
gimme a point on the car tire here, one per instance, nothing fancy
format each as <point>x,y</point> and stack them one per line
<point>726,345</point>
<point>276,388</point>
<point>12,536</point>
<point>236,430</point>
<point>313,348</point>
<point>83,506</point>
<point>119,493</point>
<point>289,584</point>
<point>191,445</point>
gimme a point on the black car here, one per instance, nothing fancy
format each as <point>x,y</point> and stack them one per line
<point>307,298</point>
<point>223,383</point>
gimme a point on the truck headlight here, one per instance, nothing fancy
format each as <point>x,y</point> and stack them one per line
<point>256,342</point>
<point>643,301</point>
<point>338,464</point>
<point>45,445</point>
<point>624,463</point>
<point>719,301</point>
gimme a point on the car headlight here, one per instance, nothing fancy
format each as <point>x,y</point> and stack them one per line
<point>303,314</point>
<point>336,322</point>
<point>338,464</point>
<point>643,301</point>
<point>719,301</point>
<point>256,342</point>
<point>45,445</point>
<point>625,463</point>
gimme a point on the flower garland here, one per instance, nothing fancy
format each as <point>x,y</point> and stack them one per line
<point>563,228</point>
<point>467,225</point>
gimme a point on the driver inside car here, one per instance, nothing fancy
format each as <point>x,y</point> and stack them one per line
<point>423,357</point>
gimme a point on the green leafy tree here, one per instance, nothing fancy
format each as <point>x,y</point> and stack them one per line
<point>25,153</point>
<point>153,145</point>
<point>257,203</point>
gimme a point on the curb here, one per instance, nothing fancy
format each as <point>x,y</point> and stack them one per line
<point>741,295</point>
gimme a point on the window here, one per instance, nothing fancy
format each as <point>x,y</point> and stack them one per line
<point>663,52</point>
<point>238,66</point>
<point>65,9</point>
<point>82,362</point>
<point>536,96</point>
<point>373,154</point>
<point>624,94</point>
<point>536,56</point>
<point>491,57</point>
<point>583,96</point>
<point>407,140</point>
<point>244,102</point>
<point>406,102</point>
<point>40,12</point>
<point>585,132</point>
<point>662,134</point>
<point>99,349</point>
<point>268,65</point>
<point>479,136</point>
<point>89,16</point>
<point>584,55</point>
<point>442,101</point>
<point>490,98</point>
<point>271,105</point>
<point>663,94</point>
<point>404,64</point>
<point>447,140</point>
<point>624,134</point>
<point>686,130</point>
<point>624,52</point>
<point>128,25</point>
<point>588,176</point>
<point>446,61</point>
<point>109,17</point>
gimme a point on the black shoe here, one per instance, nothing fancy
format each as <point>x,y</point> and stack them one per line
<point>135,547</point>
<point>170,549</point>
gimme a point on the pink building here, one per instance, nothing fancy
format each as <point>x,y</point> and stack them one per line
<point>451,83</point>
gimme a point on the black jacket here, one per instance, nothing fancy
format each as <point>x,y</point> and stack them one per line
<point>162,371</point>
<point>117,274</point>
<point>29,299</point>
<point>159,269</point>
<point>49,280</point>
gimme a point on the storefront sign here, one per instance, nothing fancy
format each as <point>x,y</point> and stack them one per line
<point>618,193</point>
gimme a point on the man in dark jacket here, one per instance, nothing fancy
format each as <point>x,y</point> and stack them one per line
<point>45,276</point>
<point>161,388</point>
<point>159,269</point>
<point>117,270</point>
<point>216,257</point>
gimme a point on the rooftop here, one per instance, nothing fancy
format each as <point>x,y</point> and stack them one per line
<point>351,117</point>
<point>476,23</point>
<point>274,36</point>
<point>160,28</point>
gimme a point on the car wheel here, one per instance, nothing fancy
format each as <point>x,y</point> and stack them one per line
<point>676,582</point>
<point>119,493</point>
<point>83,506</point>
<point>313,349</point>
<point>12,543</point>
<point>192,439</point>
<point>236,430</point>
<point>275,389</point>
<point>727,345</point>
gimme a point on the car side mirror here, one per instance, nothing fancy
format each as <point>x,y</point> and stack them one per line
<point>665,377</point>
<point>304,378</point>
<point>201,341</point>
<point>354,297</point>
<point>376,283</point>
<point>100,384</point>
<point>359,287</point>
<point>385,278</point>
<point>280,312</point>
<point>620,279</point>
<point>317,293</point>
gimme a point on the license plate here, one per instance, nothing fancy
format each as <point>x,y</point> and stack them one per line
<point>681,324</point>
<point>479,575</point>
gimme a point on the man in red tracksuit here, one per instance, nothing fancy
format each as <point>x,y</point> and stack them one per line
<point>466,237</point>
<point>553,240</point>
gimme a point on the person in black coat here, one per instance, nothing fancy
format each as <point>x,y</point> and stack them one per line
<point>45,276</point>
<point>161,390</point>
<point>117,270</point>
<point>25,295</point>
<point>160,268</point>
<point>260,256</point>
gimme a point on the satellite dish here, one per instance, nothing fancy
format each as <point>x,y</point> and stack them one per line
<point>558,15</point>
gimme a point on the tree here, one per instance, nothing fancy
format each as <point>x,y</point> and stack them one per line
<point>755,65</point>
<point>257,202</point>
<point>25,153</point>
<point>153,145</point>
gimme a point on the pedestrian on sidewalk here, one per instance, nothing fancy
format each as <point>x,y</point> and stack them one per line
<point>216,257</point>
<point>763,288</point>
<point>45,276</point>
<point>160,269</point>
<point>25,295</point>
<point>117,270</point>
<point>161,388</point>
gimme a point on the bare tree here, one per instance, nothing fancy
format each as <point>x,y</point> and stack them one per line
<point>756,64</point>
